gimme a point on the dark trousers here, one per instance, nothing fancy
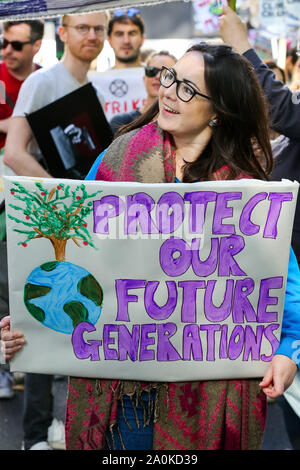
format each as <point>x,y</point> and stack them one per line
<point>38,406</point>
<point>38,399</point>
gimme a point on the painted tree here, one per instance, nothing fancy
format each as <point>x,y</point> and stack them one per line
<point>58,215</point>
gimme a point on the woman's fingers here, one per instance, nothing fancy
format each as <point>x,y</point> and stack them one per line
<point>5,322</point>
<point>11,342</point>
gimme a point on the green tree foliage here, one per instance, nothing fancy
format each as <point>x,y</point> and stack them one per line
<point>59,214</point>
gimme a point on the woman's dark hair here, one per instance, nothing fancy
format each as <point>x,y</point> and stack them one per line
<point>242,118</point>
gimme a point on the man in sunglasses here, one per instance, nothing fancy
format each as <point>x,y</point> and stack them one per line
<point>126,37</point>
<point>20,42</point>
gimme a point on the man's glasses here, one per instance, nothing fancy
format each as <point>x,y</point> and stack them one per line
<point>16,45</point>
<point>151,71</point>
<point>84,29</point>
<point>130,12</point>
<point>184,91</point>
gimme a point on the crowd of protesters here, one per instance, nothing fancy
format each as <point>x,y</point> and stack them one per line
<point>29,88</point>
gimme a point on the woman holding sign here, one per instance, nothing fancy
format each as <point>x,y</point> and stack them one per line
<point>209,111</point>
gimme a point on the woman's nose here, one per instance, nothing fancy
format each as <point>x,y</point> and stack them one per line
<point>170,92</point>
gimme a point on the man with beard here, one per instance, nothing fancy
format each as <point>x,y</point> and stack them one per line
<point>126,37</point>
<point>83,36</point>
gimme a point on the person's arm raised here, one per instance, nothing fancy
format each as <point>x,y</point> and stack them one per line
<point>284,104</point>
<point>233,31</point>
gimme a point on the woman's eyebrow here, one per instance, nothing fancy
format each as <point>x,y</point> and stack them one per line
<point>186,80</point>
<point>192,83</point>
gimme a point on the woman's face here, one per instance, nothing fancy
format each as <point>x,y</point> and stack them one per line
<point>152,84</point>
<point>186,119</point>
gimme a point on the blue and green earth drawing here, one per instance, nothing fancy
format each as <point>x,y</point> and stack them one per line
<point>60,295</point>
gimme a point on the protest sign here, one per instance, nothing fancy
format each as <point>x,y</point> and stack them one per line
<point>123,89</point>
<point>206,15</point>
<point>293,7</point>
<point>164,282</point>
<point>272,16</point>
<point>279,18</point>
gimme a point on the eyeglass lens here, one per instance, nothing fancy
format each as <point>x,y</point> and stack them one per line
<point>183,91</point>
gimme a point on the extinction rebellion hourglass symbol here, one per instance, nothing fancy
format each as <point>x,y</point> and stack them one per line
<point>118,88</point>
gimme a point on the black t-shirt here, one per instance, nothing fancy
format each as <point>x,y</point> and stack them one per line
<point>121,119</point>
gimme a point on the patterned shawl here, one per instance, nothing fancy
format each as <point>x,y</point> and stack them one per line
<point>145,155</point>
<point>227,414</point>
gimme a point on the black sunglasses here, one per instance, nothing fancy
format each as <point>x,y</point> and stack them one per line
<point>16,45</point>
<point>151,71</point>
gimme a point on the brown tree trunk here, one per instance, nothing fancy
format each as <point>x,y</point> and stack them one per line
<point>59,248</point>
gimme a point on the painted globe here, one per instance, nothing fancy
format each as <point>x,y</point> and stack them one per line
<point>60,295</point>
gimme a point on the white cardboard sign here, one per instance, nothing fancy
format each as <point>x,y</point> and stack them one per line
<point>123,89</point>
<point>164,282</point>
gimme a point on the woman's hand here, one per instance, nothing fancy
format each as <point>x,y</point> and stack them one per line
<point>279,376</point>
<point>11,341</point>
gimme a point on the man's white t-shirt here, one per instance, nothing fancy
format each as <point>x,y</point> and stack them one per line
<point>42,88</point>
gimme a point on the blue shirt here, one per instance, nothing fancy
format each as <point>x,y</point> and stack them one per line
<point>290,331</point>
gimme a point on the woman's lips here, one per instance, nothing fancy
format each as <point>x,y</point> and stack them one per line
<point>169,110</point>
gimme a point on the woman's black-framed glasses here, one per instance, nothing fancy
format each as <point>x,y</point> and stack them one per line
<point>184,90</point>
<point>151,71</point>
<point>16,45</point>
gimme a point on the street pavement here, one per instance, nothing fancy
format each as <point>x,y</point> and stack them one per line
<point>11,433</point>
<point>276,437</point>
